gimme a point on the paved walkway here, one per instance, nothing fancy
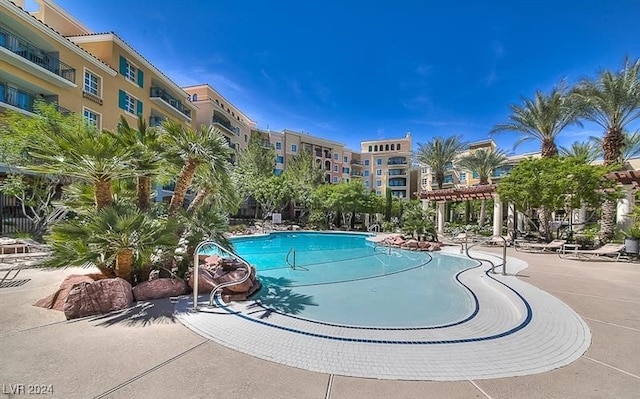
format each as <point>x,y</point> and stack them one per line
<point>146,353</point>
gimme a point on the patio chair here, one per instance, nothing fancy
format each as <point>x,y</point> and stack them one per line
<point>607,251</point>
<point>536,247</point>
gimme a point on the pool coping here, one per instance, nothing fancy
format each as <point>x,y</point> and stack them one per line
<point>543,334</point>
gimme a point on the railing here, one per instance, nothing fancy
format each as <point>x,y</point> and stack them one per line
<point>374,227</point>
<point>24,100</point>
<point>465,245</point>
<point>218,288</point>
<point>293,264</point>
<point>155,121</point>
<point>28,51</point>
<point>158,92</point>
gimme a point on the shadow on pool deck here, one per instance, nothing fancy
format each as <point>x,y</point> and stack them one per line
<point>143,314</point>
<point>276,296</point>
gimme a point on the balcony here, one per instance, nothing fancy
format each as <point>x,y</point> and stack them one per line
<point>155,121</point>
<point>398,182</point>
<point>24,100</point>
<point>225,125</point>
<point>356,162</point>
<point>397,161</point>
<point>397,172</point>
<point>158,94</point>
<point>22,54</point>
<point>356,174</point>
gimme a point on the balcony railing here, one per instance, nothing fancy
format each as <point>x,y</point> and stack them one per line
<point>226,124</point>
<point>158,92</point>
<point>356,162</point>
<point>155,120</point>
<point>354,173</point>
<point>397,161</point>
<point>25,100</point>
<point>28,51</point>
<point>397,172</point>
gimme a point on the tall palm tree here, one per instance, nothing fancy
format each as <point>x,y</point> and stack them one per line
<point>193,148</point>
<point>587,151</point>
<point>147,156</point>
<point>611,100</point>
<point>438,153</point>
<point>483,162</point>
<point>80,150</point>
<point>630,147</point>
<point>541,119</point>
<point>214,191</point>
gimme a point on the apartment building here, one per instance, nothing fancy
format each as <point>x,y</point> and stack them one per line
<point>214,109</point>
<point>387,164</point>
<point>46,54</point>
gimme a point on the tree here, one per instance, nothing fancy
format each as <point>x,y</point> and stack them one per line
<point>611,100</point>
<point>69,146</point>
<point>146,158</point>
<point>541,119</point>
<point>630,147</point>
<point>204,147</point>
<point>483,162</point>
<point>438,154</point>
<point>303,176</point>
<point>272,193</point>
<point>555,183</point>
<point>342,199</point>
<point>416,220</point>
<point>587,151</point>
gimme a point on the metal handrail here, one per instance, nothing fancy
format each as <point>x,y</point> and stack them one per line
<point>286,259</point>
<point>375,227</point>
<point>493,265</point>
<point>218,288</point>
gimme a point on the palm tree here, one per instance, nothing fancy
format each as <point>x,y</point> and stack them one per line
<point>612,100</point>
<point>541,119</point>
<point>213,190</point>
<point>630,146</point>
<point>74,148</point>
<point>438,154</point>
<point>483,162</point>
<point>193,148</point>
<point>587,151</point>
<point>147,156</point>
<point>119,240</point>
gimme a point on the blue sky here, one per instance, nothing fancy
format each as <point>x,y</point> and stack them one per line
<point>352,70</point>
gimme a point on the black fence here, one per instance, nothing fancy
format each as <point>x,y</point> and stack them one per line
<point>12,220</point>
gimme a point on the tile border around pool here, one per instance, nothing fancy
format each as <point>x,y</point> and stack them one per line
<point>548,336</point>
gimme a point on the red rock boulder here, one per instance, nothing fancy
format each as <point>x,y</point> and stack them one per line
<point>159,288</point>
<point>98,297</point>
<point>56,300</point>
<point>206,284</point>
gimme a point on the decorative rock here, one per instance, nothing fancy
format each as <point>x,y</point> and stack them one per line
<point>206,284</point>
<point>159,288</point>
<point>56,300</point>
<point>87,299</point>
<point>435,246</point>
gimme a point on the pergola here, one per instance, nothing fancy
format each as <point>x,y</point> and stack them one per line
<point>487,191</point>
<point>626,177</point>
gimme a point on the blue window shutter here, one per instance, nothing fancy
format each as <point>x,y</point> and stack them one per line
<point>140,78</point>
<point>139,106</point>
<point>122,99</point>
<point>123,65</point>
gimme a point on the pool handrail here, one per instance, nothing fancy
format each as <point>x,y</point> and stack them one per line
<point>465,245</point>
<point>374,227</point>
<point>218,288</point>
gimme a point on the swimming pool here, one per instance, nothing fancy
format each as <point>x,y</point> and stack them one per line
<point>343,279</point>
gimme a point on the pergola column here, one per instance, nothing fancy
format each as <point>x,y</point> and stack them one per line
<point>440,217</point>
<point>497,216</point>
<point>625,207</point>
<point>511,220</point>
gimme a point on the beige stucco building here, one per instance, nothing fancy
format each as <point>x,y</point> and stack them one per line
<point>387,164</point>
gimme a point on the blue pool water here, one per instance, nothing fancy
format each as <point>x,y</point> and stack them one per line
<point>344,279</point>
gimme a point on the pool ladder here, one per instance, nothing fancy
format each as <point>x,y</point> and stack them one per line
<point>216,293</point>
<point>465,246</point>
<point>292,265</point>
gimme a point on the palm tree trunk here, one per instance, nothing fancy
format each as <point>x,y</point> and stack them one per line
<point>143,192</point>
<point>440,179</point>
<point>182,185</point>
<point>483,212</point>
<point>124,264</point>
<point>612,144</point>
<point>103,193</point>
<point>607,221</point>
<point>549,149</point>
<point>543,228</point>
<point>197,201</point>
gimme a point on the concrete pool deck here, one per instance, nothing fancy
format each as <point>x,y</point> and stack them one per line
<point>145,352</point>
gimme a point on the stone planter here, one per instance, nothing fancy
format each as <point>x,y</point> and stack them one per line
<point>631,245</point>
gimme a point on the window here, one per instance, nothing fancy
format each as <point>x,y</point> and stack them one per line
<point>294,148</point>
<point>336,156</point>
<point>463,176</point>
<point>369,148</point>
<point>393,147</point>
<point>335,168</point>
<point>91,116</point>
<point>378,172</point>
<point>366,183</point>
<point>278,145</point>
<point>366,173</point>
<point>378,183</point>
<point>366,162</point>
<point>345,159</point>
<point>378,192</point>
<point>335,179</point>
<point>345,170</point>
<point>386,147</point>
<point>378,161</point>
<point>398,146</point>
<point>375,148</point>
<point>195,97</point>
<point>91,83</point>
<point>246,138</point>
<point>277,172</point>
<point>280,159</point>
<point>131,72</point>
<point>129,103</point>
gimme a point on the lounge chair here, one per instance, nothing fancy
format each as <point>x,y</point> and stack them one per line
<point>607,251</point>
<point>553,246</point>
